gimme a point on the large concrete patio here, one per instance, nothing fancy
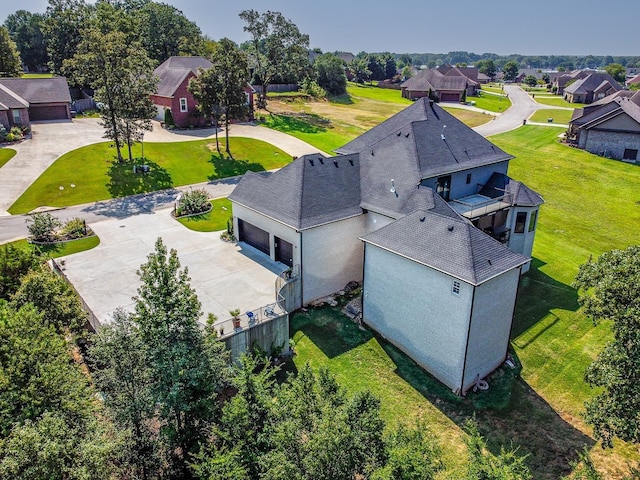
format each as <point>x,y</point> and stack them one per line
<point>225,276</point>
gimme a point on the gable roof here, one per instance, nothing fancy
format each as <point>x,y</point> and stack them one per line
<point>451,245</point>
<point>9,99</point>
<point>38,90</point>
<point>310,191</point>
<point>615,105</point>
<point>596,81</point>
<point>174,70</point>
<point>433,79</point>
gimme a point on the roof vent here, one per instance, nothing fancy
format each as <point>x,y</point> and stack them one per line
<point>406,135</point>
<point>372,154</point>
<point>431,102</point>
<point>335,162</point>
<point>351,161</point>
<point>489,260</point>
<point>311,161</point>
<point>321,160</point>
<point>450,228</point>
<point>393,187</point>
<point>442,133</point>
<point>399,133</point>
<point>422,219</point>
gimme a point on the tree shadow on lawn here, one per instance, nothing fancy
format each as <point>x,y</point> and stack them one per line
<point>229,167</point>
<point>298,122</point>
<point>124,182</point>
<point>538,295</point>
<point>344,99</point>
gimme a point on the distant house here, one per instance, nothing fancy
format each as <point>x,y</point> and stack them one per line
<point>633,80</point>
<point>566,78</point>
<point>26,100</point>
<point>445,84</point>
<point>609,127</point>
<point>591,88</point>
<point>421,210</point>
<point>173,95</point>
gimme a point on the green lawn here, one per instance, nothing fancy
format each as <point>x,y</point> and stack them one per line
<point>468,117</point>
<point>493,87</point>
<point>96,175</point>
<point>6,154</point>
<point>373,92</point>
<point>62,249</point>
<point>556,101</point>
<point>559,116</point>
<point>493,103</point>
<point>591,207</point>
<point>213,221</point>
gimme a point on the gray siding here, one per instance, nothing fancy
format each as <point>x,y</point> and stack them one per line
<point>459,186</point>
<point>490,326</point>
<point>414,308</point>
<point>332,257</point>
<point>610,144</point>
<point>522,243</point>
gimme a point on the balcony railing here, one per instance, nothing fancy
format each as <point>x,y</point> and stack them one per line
<point>477,205</point>
<point>230,326</point>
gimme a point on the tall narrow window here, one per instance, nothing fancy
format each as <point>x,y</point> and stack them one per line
<point>468,178</point>
<point>532,221</point>
<point>521,220</point>
<point>443,187</point>
<point>183,105</point>
<point>16,116</point>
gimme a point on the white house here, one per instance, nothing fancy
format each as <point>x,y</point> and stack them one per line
<point>421,210</point>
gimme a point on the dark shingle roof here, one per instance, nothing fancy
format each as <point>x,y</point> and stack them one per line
<point>451,245</point>
<point>616,105</point>
<point>593,82</point>
<point>39,90</point>
<point>10,99</point>
<point>434,80</point>
<point>174,70</point>
<point>518,193</point>
<point>308,192</point>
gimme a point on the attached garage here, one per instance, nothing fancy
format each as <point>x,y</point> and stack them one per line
<point>449,97</point>
<point>48,112</point>
<point>254,236</point>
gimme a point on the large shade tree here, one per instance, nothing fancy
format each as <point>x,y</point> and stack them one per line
<point>10,65</point>
<point>276,48</point>
<point>25,29</point>
<point>610,290</point>
<point>62,29</point>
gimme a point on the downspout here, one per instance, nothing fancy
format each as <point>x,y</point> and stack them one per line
<point>301,270</point>
<point>466,348</point>
<point>513,313</point>
<point>364,261</point>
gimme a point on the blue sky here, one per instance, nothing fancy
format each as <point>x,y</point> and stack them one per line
<point>559,27</point>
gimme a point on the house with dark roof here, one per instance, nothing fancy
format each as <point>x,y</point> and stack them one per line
<point>609,127</point>
<point>445,84</point>
<point>421,210</point>
<point>591,88</point>
<point>23,100</point>
<point>172,93</point>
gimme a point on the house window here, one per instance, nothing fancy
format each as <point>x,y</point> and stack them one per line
<point>532,220</point>
<point>443,187</point>
<point>629,153</point>
<point>468,178</point>
<point>183,105</point>
<point>521,220</point>
<point>16,116</point>
<point>455,288</point>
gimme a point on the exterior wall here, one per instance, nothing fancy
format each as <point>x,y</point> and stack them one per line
<point>24,117</point>
<point>607,143</point>
<point>331,257</point>
<point>53,110</point>
<point>479,176</point>
<point>375,221</point>
<point>268,336</point>
<point>414,94</point>
<point>414,308</point>
<point>522,243</point>
<point>4,120</point>
<point>275,229</point>
<point>490,327</point>
<point>161,103</point>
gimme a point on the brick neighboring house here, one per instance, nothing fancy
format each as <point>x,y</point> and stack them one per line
<point>25,100</point>
<point>593,87</point>
<point>425,216</point>
<point>444,84</point>
<point>172,94</point>
<point>609,127</point>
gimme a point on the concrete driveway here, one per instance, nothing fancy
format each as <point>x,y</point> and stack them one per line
<point>224,275</point>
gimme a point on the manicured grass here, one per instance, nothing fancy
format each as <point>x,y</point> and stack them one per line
<point>468,117</point>
<point>213,221</point>
<point>493,103</point>
<point>493,87</point>
<point>61,249</point>
<point>6,154</point>
<point>556,101</point>
<point>98,176</point>
<point>376,93</point>
<point>559,116</point>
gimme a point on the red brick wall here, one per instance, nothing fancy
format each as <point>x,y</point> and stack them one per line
<point>4,121</point>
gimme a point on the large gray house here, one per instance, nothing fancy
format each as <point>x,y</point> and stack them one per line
<point>421,210</point>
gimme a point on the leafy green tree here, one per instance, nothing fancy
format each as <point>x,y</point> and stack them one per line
<point>184,385</point>
<point>546,78</point>
<point>25,28</point>
<point>609,289</point>
<point>43,227</point>
<point>390,66</point>
<point>359,68</point>
<point>10,65</point>
<point>166,32</point>
<point>531,80</point>
<point>617,71</point>
<point>634,86</point>
<point>375,64</point>
<point>276,48</point>
<point>122,376</point>
<point>54,297</point>
<point>206,88</point>
<point>15,262</point>
<point>484,466</point>
<point>62,30</point>
<point>407,72</point>
<point>510,71</point>
<point>331,76</point>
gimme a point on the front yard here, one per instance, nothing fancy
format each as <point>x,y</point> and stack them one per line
<point>6,154</point>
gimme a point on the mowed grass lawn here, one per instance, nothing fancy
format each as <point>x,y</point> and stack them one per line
<point>96,175</point>
<point>592,205</point>
<point>556,101</point>
<point>213,221</point>
<point>557,114</point>
<point>493,103</point>
<point>60,249</point>
<point>6,154</point>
